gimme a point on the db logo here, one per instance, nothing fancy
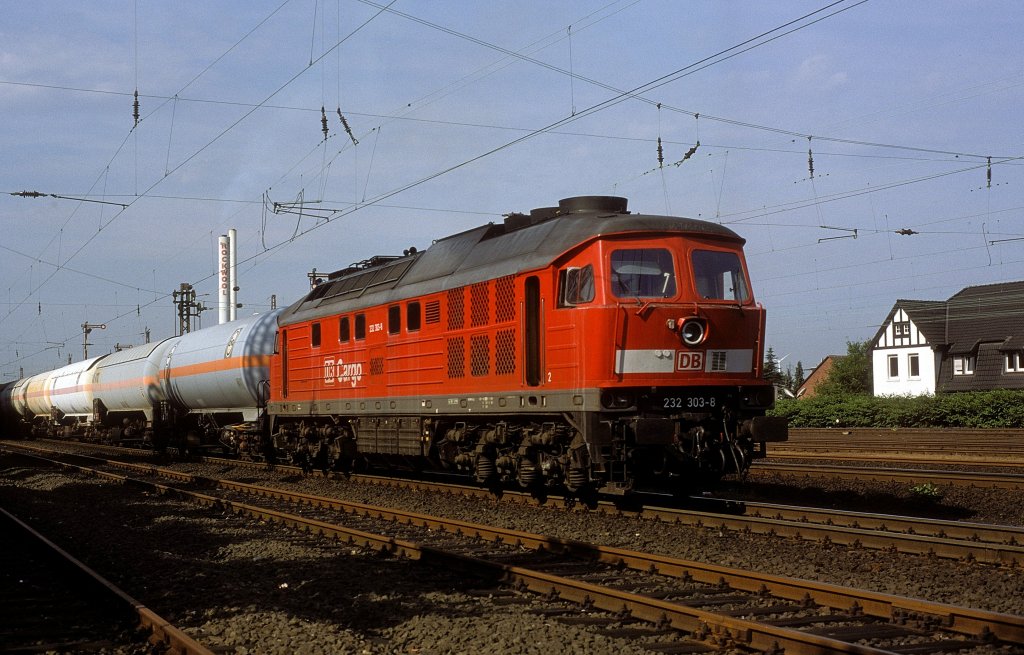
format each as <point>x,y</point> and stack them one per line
<point>690,361</point>
<point>342,372</point>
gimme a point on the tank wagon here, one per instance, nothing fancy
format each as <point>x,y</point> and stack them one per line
<point>578,346</point>
<point>200,389</point>
<point>8,420</point>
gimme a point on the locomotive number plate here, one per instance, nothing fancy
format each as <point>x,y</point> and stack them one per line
<point>684,400</point>
<point>690,403</point>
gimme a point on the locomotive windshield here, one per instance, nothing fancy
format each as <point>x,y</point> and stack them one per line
<point>719,276</point>
<point>643,273</point>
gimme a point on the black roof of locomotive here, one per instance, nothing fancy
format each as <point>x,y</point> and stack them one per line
<point>522,243</point>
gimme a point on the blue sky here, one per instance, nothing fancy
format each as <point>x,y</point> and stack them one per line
<point>464,111</point>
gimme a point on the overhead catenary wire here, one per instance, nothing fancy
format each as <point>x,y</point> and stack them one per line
<point>125,140</point>
<point>190,158</point>
<point>151,195</point>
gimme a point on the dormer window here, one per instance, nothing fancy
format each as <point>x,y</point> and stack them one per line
<point>1014,362</point>
<point>963,365</point>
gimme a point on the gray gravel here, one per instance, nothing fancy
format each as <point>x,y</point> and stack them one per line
<point>249,589</point>
<point>261,589</point>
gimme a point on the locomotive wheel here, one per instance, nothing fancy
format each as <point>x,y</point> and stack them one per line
<point>485,469</point>
<point>528,475</point>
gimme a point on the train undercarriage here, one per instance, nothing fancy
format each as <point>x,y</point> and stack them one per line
<point>578,452</point>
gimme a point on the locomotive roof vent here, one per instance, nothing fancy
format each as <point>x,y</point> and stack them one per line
<point>566,206</point>
<point>592,205</point>
<point>517,221</point>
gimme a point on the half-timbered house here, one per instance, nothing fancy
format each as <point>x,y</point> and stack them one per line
<point>974,341</point>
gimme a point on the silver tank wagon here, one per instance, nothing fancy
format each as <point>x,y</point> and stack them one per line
<point>224,367</point>
<point>71,389</point>
<point>129,381</point>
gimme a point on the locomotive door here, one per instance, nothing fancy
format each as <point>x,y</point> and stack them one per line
<point>532,332</point>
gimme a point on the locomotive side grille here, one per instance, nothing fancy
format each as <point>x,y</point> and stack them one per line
<point>433,312</point>
<point>505,352</point>
<point>456,309</point>
<point>456,358</point>
<point>480,353</point>
<point>719,360</point>
<point>504,299</point>
<point>376,366</point>
<point>481,307</point>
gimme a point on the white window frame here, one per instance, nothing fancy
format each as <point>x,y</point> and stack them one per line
<point>1014,363</point>
<point>914,361</point>
<point>893,362</point>
<point>963,365</point>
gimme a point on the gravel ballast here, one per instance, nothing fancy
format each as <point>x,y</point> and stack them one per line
<point>263,589</point>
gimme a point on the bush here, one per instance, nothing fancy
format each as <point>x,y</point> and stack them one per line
<point>977,409</point>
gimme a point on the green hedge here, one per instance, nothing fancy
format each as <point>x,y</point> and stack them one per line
<point>982,409</point>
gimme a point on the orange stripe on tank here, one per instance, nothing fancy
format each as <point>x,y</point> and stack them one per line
<point>203,368</point>
<point>216,366</point>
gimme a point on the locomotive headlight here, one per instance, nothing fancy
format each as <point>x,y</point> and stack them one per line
<point>693,331</point>
<point>616,399</point>
<point>759,397</point>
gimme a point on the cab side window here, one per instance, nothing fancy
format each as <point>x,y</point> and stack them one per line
<point>575,286</point>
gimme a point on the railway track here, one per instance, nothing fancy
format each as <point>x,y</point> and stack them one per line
<point>974,446</point>
<point>924,459</point>
<point>959,540</point>
<point>939,478</point>
<point>678,606</point>
<point>956,540</point>
<point>53,603</point>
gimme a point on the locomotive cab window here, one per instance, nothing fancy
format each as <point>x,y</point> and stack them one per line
<point>575,286</point>
<point>360,326</point>
<point>314,335</point>
<point>643,273</point>
<point>719,276</point>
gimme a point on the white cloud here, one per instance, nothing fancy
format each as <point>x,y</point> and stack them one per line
<point>820,73</point>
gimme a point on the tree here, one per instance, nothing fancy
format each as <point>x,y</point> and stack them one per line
<point>770,371</point>
<point>798,376</point>
<point>787,380</point>
<point>850,375</point>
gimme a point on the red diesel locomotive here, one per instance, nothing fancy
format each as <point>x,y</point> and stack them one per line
<point>579,346</point>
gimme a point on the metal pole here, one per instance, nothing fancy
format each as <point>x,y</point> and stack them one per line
<point>233,274</point>
<point>224,278</point>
